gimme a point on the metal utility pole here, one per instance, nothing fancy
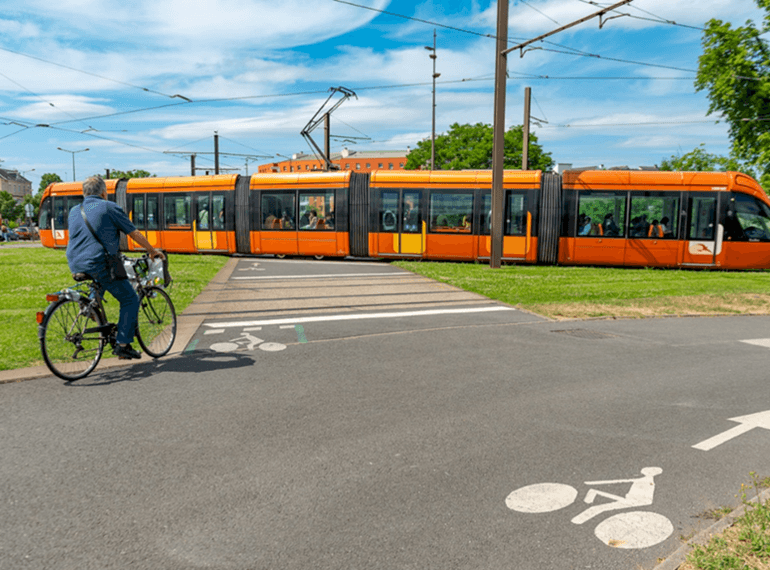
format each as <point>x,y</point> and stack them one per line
<point>498,151</point>
<point>525,130</point>
<point>328,137</point>
<point>498,138</point>
<point>192,165</point>
<point>73,152</point>
<point>433,56</point>
<point>216,152</point>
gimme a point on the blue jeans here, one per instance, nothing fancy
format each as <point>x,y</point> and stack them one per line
<point>129,303</point>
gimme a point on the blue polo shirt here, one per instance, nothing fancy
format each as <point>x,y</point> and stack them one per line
<point>84,252</point>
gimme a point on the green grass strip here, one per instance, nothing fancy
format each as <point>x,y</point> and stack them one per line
<point>28,274</point>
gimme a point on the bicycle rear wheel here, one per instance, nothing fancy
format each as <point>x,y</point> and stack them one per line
<point>71,341</point>
<point>156,329</point>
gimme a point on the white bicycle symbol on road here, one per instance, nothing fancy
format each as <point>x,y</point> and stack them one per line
<point>636,529</point>
<point>247,341</point>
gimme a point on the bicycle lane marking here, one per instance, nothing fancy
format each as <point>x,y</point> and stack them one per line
<point>628,530</point>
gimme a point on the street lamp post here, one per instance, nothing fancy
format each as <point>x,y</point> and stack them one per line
<point>73,152</point>
<point>433,123</point>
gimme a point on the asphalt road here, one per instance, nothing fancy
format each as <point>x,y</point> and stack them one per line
<point>341,415</point>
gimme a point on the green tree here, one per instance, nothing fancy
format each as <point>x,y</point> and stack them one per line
<point>734,70</point>
<point>701,161</point>
<point>130,174</point>
<point>9,210</point>
<point>47,179</point>
<point>470,147</point>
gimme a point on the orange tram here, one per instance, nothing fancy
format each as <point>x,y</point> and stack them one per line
<point>614,218</point>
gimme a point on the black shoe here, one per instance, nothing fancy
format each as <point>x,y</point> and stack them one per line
<point>126,352</point>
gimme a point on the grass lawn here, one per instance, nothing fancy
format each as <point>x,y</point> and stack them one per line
<point>746,544</point>
<point>580,292</point>
<point>29,273</point>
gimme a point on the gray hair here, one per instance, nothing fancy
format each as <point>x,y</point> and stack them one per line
<point>94,186</point>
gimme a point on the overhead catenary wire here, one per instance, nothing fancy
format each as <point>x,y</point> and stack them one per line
<point>572,51</point>
<point>657,19</point>
<point>146,89</point>
<point>540,12</point>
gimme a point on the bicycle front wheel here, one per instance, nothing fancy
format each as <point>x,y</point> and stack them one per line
<point>156,329</point>
<point>71,340</point>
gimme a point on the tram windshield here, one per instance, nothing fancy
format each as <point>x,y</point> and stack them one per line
<point>752,219</point>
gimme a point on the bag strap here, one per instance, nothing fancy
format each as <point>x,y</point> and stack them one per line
<point>91,229</point>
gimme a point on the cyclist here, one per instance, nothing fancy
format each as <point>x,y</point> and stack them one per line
<point>86,255</point>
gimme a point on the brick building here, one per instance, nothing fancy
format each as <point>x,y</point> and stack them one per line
<point>15,184</point>
<point>354,160</point>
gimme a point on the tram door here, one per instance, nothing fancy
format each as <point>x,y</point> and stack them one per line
<point>144,214</point>
<point>401,222</point>
<point>210,221</point>
<point>703,235</point>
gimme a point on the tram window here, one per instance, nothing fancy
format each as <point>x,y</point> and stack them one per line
<point>202,203</point>
<point>653,216</point>
<point>152,213</point>
<point>515,222</point>
<point>412,212</point>
<point>600,210</point>
<point>486,214</point>
<point>702,218</point>
<point>44,220</point>
<point>278,211</point>
<point>451,212</point>
<point>218,212</point>
<point>60,213</point>
<point>389,212</point>
<point>177,212</point>
<point>750,221</point>
<point>317,210</point>
<point>138,212</point>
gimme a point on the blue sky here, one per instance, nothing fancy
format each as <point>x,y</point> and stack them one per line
<point>91,69</point>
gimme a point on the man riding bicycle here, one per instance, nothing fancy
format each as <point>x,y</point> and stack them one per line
<point>85,254</point>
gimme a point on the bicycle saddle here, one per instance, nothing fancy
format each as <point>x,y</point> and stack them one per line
<point>82,277</point>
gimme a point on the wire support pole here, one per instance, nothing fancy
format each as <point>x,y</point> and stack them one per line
<point>433,108</point>
<point>498,139</point>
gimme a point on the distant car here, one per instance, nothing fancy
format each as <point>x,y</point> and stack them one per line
<point>26,233</point>
<point>12,236</point>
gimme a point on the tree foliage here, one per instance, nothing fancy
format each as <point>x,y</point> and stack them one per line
<point>735,72</point>
<point>698,160</point>
<point>9,210</point>
<point>470,147</point>
<point>130,174</point>
<point>48,178</point>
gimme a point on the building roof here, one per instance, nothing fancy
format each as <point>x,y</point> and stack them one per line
<point>12,176</point>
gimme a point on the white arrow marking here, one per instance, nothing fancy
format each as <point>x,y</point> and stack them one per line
<point>746,423</point>
<point>765,342</point>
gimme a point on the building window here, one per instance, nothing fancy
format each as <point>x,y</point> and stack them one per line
<point>390,166</point>
<point>347,166</point>
<point>401,164</point>
<point>368,165</point>
<point>379,165</point>
<point>358,166</point>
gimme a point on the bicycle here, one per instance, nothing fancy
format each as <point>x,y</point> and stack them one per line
<point>74,329</point>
